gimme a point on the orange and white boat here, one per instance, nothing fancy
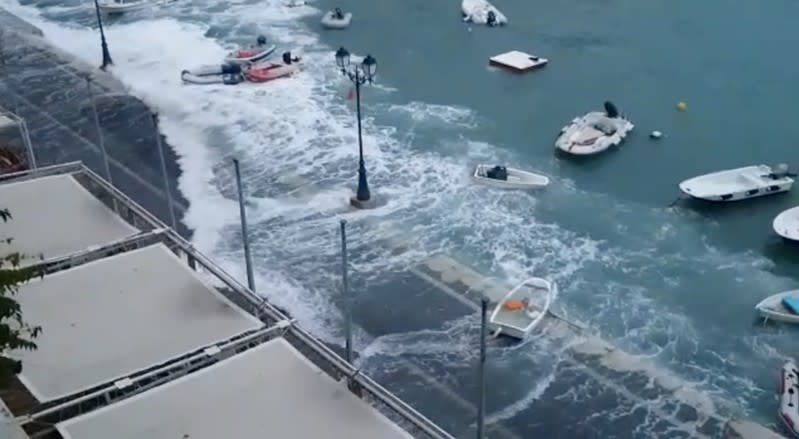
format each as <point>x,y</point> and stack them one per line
<point>269,72</point>
<point>523,308</point>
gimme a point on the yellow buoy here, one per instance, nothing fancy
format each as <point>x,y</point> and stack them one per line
<point>681,106</point>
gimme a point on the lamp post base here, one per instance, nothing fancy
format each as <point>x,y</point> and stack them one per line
<point>358,204</point>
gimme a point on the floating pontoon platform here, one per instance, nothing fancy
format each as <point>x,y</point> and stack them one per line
<point>517,61</point>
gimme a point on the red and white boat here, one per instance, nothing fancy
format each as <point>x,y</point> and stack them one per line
<point>269,72</point>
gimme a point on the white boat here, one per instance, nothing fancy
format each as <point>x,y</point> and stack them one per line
<point>594,132</point>
<point>336,19</point>
<point>508,178</point>
<point>786,224</point>
<point>121,6</point>
<point>789,397</point>
<point>523,308</point>
<point>782,307</point>
<point>739,184</point>
<point>252,54</point>
<point>228,74</point>
<point>482,12</point>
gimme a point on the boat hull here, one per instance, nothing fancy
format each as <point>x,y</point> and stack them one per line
<point>329,21</point>
<point>113,8</point>
<point>581,138</point>
<point>519,322</point>
<point>771,308</point>
<point>786,224</point>
<point>259,55</point>
<point>735,184</point>
<point>517,179</point>
<point>271,73</point>
<point>476,11</point>
<point>228,74</point>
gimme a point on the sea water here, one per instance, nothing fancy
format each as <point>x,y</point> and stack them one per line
<point>675,284</point>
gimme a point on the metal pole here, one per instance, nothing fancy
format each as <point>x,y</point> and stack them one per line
<point>363,186</point>
<point>167,191</point>
<point>26,138</point>
<point>244,235</point>
<point>100,138</point>
<point>481,403</point>
<point>106,54</point>
<point>346,291</point>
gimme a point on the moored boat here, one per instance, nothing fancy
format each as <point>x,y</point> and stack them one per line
<point>594,132</point>
<point>786,224</point>
<point>508,178</point>
<point>523,308</point>
<point>252,54</point>
<point>739,183</point>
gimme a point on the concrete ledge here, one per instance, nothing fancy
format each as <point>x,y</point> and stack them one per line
<point>10,22</point>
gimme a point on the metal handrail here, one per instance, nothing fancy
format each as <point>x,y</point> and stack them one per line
<point>28,174</point>
<point>383,394</point>
<point>224,345</point>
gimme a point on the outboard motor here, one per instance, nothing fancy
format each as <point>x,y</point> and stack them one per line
<point>231,69</point>
<point>261,40</point>
<point>491,19</point>
<point>780,171</point>
<point>286,57</point>
<point>498,173</point>
<point>611,110</point>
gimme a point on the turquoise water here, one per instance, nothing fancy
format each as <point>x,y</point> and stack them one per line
<point>675,284</point>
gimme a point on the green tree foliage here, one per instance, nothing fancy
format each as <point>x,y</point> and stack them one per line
<point>15,333</point>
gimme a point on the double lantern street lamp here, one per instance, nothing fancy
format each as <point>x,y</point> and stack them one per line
<point>106,54</point>
<point>359,74</point>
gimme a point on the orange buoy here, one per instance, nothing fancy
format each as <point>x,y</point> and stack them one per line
<point>515,305</point>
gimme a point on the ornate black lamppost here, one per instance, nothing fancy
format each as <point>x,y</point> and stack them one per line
<point>106,54</point>
<point>359,74</point>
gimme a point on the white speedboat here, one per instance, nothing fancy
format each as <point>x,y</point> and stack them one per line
<point>739,184</point>
<point>782,307</point>
<point>594,132</point>
<point>482,12</point>
<point>336,19</point>
<point>789,397</point>
<point>121,6</point>
<point>786,224</point>
<point>252,54</point>
<point>508,178</point>
<point>523,308</point>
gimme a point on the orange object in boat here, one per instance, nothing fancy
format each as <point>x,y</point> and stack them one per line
<point>246,53</point>
<point>515,305</point>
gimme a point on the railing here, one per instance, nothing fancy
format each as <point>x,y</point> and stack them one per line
<point>157,231</point>
<point>125,387</point>
<point>23,134</point>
